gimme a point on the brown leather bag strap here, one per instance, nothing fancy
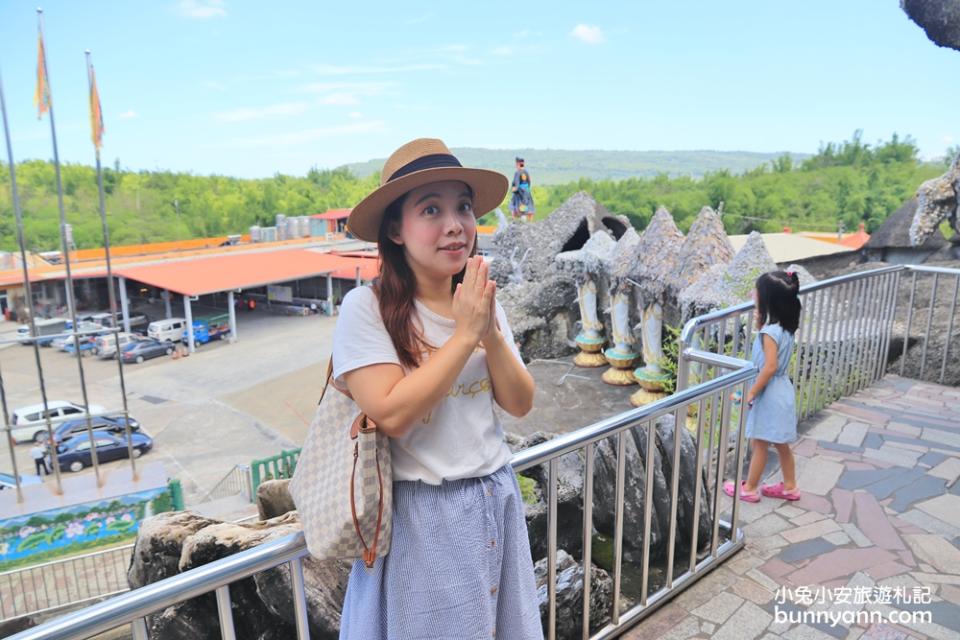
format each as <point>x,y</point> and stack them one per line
<point>327,383</point>
<point>369,553</point>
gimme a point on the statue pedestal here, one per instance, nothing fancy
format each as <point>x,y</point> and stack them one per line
<point>651,383</point>
<point>590,355</point>
<point>621,364</point>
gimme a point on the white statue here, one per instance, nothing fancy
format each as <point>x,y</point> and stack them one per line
<point>587,296</point>
<point>622,337</point>
<point>652,324</point>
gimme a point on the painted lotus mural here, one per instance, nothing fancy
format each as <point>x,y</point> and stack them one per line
<point>76,528</point>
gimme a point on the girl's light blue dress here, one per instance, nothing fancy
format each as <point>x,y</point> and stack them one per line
<point>774,415</point>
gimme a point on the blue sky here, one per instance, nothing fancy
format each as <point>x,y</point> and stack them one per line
<point>250,88</point>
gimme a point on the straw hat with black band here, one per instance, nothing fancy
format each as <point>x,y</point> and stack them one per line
<point>413,165</point>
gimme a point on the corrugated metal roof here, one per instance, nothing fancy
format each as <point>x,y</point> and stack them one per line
<point>246,271</point>
<point>789,247</point>
<point>333,214</point>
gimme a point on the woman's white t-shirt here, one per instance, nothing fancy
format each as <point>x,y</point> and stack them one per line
<point>462,436</point>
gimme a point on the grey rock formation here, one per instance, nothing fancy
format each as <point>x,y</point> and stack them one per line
<point>156,553</point>
<point>538,296</point>
<point>686,484</point>
<point>567,228</point>
<point>570,595</point>
<point>658,253</point>
<point>727,284</point>
<point>261,604</point>
<point>937,200</point>
<point>705,245</point>
<point>273,499</point>
<point>569,501</point>
<point>940,19</point>
<point>634,494</point>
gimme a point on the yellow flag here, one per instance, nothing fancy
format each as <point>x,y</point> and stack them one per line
<point>96,115</point>
<point>41,97</point>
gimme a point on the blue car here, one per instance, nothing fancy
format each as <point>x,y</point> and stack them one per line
<point>110,424</point>
<point>74,454</point>
<point>146,349</point>
<point>8,481</point>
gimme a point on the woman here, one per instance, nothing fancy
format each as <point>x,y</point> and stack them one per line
<point>425,352</point>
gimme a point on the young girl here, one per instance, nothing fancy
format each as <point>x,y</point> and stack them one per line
<point>425,352</point>
<point>770,405</point>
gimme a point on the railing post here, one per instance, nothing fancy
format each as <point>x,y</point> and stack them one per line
<point>295,567</point>
<point>906,330</point>
<point>587,535</point>
<point>926,334</point>
<point>946,343</point>
<point>888,330</point>
<point>553,470</point>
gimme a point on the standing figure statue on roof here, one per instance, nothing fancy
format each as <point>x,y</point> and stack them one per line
<point>521,203</point>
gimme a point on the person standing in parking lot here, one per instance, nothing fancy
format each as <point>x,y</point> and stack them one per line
<point>39,461</point>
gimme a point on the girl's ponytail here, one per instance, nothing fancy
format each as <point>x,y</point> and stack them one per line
<point>793,280</point>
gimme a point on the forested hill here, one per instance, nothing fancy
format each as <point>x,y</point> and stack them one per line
<point>845,183</point>
<point>558,166</point>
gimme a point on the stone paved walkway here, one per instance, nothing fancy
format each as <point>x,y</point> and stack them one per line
<point>878,526</point>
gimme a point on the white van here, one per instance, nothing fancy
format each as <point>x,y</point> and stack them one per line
<point>168,330</point>
<point>49,327</point>
<point>106,346</point>
<point>30,424</point>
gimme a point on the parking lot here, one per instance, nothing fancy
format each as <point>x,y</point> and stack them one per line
<point>225,404</point>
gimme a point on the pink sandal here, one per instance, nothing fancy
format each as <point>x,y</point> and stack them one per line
<point>746,496</point>
<point>777,491</point>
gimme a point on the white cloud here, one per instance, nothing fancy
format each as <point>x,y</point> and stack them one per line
<point>128,115</point>
<point>202,8</point>
<point>527,33</point>
<point>362,88</point>
<point>589,33</point>
<point>309,135</point>
<point>948,139</point>
<point>335,70</point>
<point>504,50</point>
<point>256,113</point>
<point>355,114</point>
<point>419,19</point>
<point>213,85</point>
<point>340,99</point>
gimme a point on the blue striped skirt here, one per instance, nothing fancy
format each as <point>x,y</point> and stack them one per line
<point>459,567</point>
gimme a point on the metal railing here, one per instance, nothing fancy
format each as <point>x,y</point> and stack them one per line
<point>843,345</point>
<point>133,607</point>
<point>275,467</point>
<point>237,482</point>
<point>46,587</point>
<point>847,330</point>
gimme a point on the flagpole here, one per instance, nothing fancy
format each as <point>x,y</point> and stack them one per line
<point>95,118</point>
<point>71,303</point>
<point>26,280</point>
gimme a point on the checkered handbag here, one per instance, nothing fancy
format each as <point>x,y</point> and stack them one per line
<point>343,482</point>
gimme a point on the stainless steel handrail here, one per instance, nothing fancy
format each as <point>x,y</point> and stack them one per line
<point>134,606</point>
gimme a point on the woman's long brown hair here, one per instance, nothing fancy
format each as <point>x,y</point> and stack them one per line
<point>396,289</point>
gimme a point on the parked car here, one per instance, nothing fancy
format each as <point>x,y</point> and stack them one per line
<point>29,423</point>
<point>8,481</point>
<point>167,330</point>
<point>146,349</point>
<point>110,424</point>
<point>74,453</point>
<point>45,327</point>
<point>106,345</point>
<point>138,321</point>
<point>87,345</point>
<point>88,328</point>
